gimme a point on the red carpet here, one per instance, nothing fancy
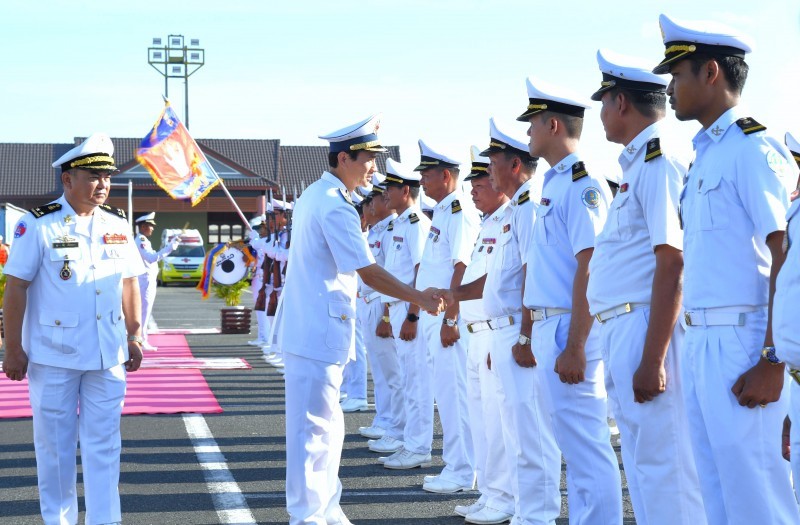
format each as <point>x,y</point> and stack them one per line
<point>150,390</point>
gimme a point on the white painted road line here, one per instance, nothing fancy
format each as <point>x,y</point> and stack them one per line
<point>228,499</point>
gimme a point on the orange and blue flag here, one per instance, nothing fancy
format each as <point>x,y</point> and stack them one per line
<point>175,161</point>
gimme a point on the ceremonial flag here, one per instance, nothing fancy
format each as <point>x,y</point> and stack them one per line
<point>175,161</point>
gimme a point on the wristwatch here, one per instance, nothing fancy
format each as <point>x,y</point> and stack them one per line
<point>768,353</point>
<point>386,319</point>
<point>135,339</point>
<point>524,339</point>
<point>412,318</point>
<point>449,322</point>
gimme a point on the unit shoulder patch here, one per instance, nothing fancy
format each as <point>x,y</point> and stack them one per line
<point>456,206</point>
<point>346,196</point>
<point>41,211</point>
<point>653,149</point>
<point>113,211</point>
<point>524,197</point>
<point>579,171</point>
<point>413,219</point>
<point>748,125</point>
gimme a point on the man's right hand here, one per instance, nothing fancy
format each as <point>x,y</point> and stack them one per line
<point>431,301</point>
<point>408,332</point>
<point>15,364</point>
<point>523,355</point>
<point>384,330</point>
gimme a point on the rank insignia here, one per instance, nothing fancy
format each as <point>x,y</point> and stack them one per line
<point>67,219</point>
<point>717,131</point>
<point>506,228</point>
<point>579,171</point>
<point>489,249</point>
<point>456,206</point>
<point>748,125</point>
<point>524,197</point>
<point>115,238</point>
<point>41,211</point>
<point>653,149</point>
<point>545,201</point>
<point>590,197</point>
<point>413,219</point>
<point>623,188</point>
<point>631,149</point>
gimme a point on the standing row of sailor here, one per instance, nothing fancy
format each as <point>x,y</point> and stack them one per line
<point>572,296</point>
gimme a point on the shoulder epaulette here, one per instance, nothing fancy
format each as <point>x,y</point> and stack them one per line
<point>613,186</point>
<point>653,149</point>
<point>579,171</point>
<point>114,211</point>
<point>41,211</point>
<point>524,197</point>
<point>456,206</point>
<point>749,125</point>
<point>391,226</point>
<point>413,219</point>
<point>346,196</point>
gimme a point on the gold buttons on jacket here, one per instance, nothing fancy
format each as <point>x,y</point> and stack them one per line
<point>58,323</point>
<point>99,316</point>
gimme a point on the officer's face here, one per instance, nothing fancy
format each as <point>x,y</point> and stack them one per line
<point>360,169</point>
<point>538,133</point>
<point>609,115</point>
<point>393,196</point>
<point>486,198</point>
<point>86,189</point>
<point>146,229</point>
<point>432,181</point>
<point>686,90</point>
<point>500,170</point>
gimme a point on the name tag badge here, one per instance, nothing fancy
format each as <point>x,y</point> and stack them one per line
<point>65,248</point>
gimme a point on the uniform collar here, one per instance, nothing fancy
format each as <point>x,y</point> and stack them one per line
<point>70,218</point>
<point>333,179</point>
<point>384,223</point>
<point>526,186</point>
<point>717,130</point>
<point>444,203</point>
<point>566,163</point>
<point>632,149</point>
<point>498,214</point>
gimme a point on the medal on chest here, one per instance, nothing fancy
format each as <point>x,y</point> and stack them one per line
<point>66,272</point>
<point>434,234</point>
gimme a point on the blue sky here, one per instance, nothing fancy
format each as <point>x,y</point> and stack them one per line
<point>436,69</point>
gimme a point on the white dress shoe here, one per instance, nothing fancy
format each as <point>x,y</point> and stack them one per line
<point>488,516</point>
<point>464,510</point>
<point>383,459</point>
<point>428,479</point>
<point>371,432</point>
<point>385,444</point>
<point>354,405</point>
<point>256,342</point>
<point>407,459</point>
<point>441,486</point>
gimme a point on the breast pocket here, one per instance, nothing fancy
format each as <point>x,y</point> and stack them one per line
<point>713,208</point>
<point>59,330</point>
<point>341,325</point>
<point>65,265</point>
<point>620,216</point>
<point>509,252</point>
<point>543,233</point>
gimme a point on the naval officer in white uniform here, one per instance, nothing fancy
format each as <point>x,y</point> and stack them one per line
<point>72,323</point>
<point>635,293</point>
<point>147,281</point>
<point>733,208</point>
<point>571,212</point>
<point>318,321</point>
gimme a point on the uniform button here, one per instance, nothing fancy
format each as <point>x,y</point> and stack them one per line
<point>344,317</point>
<point>97,292</point>
<point>119,318</point>
<point>99,316</point>
<point>58,323</point>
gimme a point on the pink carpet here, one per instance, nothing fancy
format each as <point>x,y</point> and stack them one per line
<point>150,390</point>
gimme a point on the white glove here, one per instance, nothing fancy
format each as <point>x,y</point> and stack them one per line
<point>176,241</point>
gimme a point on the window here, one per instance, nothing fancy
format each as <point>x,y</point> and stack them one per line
<point>224,227</point>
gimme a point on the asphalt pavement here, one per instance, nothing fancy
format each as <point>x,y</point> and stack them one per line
<point>229,467</point>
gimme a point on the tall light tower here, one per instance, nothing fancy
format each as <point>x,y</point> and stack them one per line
<point>174,59</point>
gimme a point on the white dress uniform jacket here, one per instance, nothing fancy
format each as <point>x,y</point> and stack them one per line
<point>572,210</point>
<point>735,195</point>
<point>662,478</point>
<point>317,338</point>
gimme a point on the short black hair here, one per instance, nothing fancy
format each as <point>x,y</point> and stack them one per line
<point>572,124</point>
<point>650,104</point>
<point>333,157</point>
<point>529,163</point>
<point>734,69</point>
<point>413,191</point>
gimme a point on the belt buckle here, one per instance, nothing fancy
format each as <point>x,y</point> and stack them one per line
<point>795,373</point>
<point>687,316</point>
<point>599,319</point>
<point>510,320</point>
<point>628,308</point>
<point>469,328</point>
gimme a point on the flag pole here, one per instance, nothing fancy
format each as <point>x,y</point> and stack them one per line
<point>236,206</point>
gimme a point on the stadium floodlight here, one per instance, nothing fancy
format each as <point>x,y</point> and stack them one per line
<point>184,61</point>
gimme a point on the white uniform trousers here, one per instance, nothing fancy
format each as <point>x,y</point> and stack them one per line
<point>449,366</point>
<point>261,316</point>
<point>56,393</point>
<point>315,434</point>
<point>147,290</point>
<point>744,479</point>
<point>417,384</point>
<point>533,455</point>
<point>656,448</point>
<point>492,462</point>
<point>355,371</point>
<point>794,439</point>
<point>387,375</point>
<point>579,415</point>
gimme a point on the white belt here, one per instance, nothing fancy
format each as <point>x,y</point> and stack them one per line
<point>622,309</point>
<point>540,314</point>
<point>371,297</point>
<point>491,324</point>
<point>725,316</point>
